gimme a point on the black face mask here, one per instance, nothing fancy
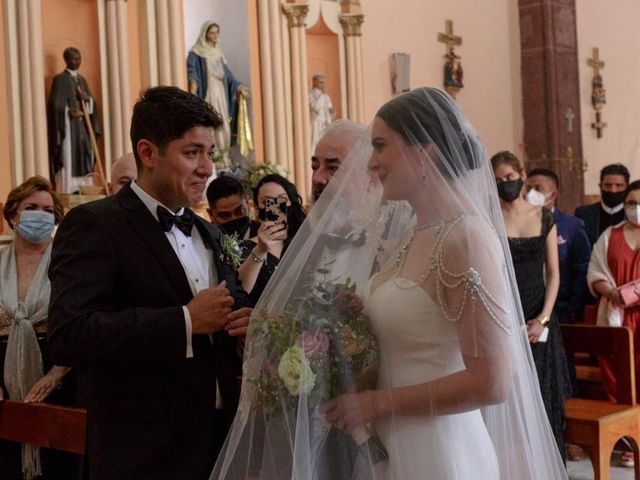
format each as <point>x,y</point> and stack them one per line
<point>612,199</point>
<point>239,226</point>
<point>509,191</point>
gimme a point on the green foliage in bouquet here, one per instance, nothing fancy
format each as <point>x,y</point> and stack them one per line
<point>321,346</point>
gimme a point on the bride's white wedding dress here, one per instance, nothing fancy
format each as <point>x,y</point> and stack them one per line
<point>418,344</point>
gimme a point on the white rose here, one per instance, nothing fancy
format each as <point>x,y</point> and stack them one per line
<point>295,371</point>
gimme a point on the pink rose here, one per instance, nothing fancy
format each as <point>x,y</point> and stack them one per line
<point>313,344</point>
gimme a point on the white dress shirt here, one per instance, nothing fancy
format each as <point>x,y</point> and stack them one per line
<point>196,259</point>
<point>612,211</point>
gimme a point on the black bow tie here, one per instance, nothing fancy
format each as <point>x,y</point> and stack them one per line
<point>184,222</point>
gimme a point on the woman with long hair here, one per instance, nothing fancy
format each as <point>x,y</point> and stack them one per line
<point>264,251</point>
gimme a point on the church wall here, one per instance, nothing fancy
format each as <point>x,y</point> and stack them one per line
<point>5,128</point>
<point>490,52</point>
<point>613,28</point>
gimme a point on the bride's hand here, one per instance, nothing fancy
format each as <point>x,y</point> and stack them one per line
<point>352,410</point>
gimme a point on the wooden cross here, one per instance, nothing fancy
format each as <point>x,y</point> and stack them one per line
<point>599,125</point>
<point>449,38</point>
<point>569,116</point>
<point>595,62</point>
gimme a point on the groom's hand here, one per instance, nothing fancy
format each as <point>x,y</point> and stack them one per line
<point>238,322</point>
<point>210,308</point>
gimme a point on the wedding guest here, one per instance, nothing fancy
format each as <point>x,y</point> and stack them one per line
<point>574,249</point>
<point>123,172</point>
<point>615,261</point>
<point>273,236</point>
<point>331,150</point>
<point>533,241</point>
<point>609,211</point>
<point>32,209</point>
<point>142,304</point>
<point>229,209</point>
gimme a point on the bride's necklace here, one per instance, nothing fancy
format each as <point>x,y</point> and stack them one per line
<point>427,226</point>
<point>404,250</point>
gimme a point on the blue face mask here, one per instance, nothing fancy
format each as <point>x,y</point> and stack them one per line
<point>35,226</point>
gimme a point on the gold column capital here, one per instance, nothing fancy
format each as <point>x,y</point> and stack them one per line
<point>351,25</point>
<point>296,14</point>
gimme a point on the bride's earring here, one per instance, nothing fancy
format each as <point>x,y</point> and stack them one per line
<point>423,178</point>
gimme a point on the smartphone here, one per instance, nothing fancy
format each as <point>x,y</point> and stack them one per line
<point>276,209</point>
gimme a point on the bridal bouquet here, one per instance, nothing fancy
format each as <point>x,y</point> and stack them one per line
<point>321,347</point>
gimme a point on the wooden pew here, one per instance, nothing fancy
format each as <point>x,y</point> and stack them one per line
<point>596,425</point>
<point>44,425</point>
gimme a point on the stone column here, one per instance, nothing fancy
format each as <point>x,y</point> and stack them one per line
<point>270,19</point>
<point>167,60</point>
<point>115,79</point>
<point>296,15</point>
<point>550,86</point>
<point>352,28</point>
<point>27,98</point>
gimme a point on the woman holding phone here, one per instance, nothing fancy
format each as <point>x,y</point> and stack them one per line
<point>280,214</point>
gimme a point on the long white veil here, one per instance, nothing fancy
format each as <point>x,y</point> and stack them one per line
<point>414,204</point>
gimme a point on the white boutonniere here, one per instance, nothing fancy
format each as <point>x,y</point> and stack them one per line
<point>231,251</point>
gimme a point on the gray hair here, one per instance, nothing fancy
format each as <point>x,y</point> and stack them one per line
<point>344,129</point>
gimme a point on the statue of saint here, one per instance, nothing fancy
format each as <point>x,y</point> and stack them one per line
<point>72,157</point>
<point>598,93</point>
<point>211,79</point>
<point>453,74</point>
<point>321,109</point>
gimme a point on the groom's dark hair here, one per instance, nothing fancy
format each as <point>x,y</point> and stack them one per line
<point>163,114</point>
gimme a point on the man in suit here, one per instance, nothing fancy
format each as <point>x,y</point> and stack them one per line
<point>574,249</point>
<point>229,209</point>
<point>142,305</point>
<point>599,216</point>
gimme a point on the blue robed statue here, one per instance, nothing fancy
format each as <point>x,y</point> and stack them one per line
<point>211,79</point>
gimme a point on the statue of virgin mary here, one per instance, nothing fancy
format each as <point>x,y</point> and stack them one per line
<point>211,79</point>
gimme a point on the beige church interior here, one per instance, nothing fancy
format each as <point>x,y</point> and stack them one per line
<point>528,72</point>
<point>552,81</point>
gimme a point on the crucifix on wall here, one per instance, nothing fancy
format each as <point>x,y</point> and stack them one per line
<point>453,74</point>
<point>569,116</point>
<point>598,92</point>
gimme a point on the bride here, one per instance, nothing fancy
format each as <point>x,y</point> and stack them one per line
<point>418,368</point>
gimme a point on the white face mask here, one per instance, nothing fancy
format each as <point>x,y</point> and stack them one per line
<point>537,199</point>
<point>633,214</point>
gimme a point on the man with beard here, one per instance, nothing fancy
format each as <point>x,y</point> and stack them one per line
<point>599,216</point>
<point>332,148</point>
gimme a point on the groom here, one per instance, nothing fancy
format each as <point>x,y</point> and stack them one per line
<point>142,305</point>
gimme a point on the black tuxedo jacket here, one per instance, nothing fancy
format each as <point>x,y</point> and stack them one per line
<point>117,291</point>
<point>590,215</point>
